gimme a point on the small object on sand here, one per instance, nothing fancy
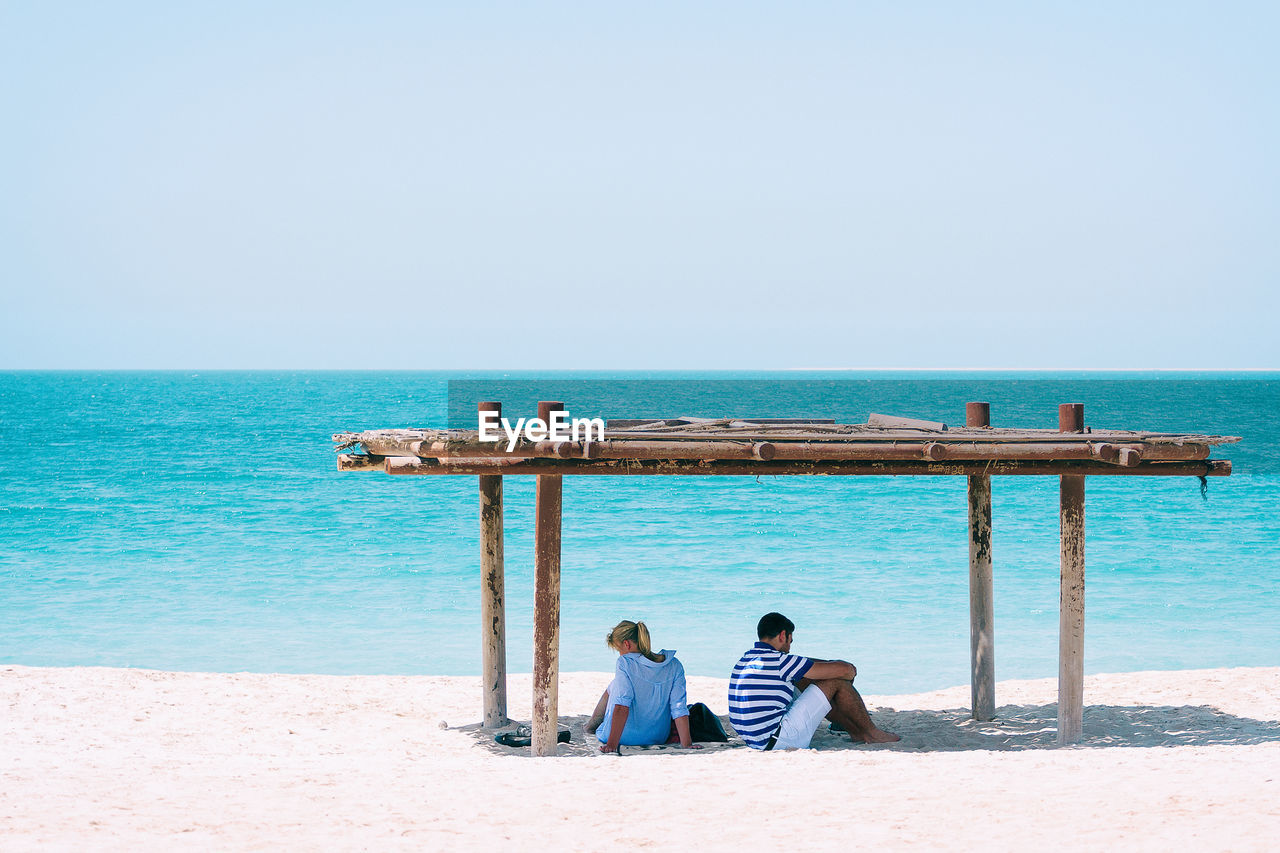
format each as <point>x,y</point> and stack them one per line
<point>523,736</point>
<point>442,725</point>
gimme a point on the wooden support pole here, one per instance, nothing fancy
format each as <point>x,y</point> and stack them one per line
<point>1071,601</point>
<point>981,597</point>
<point>546,606</point>
<point>493,620</point>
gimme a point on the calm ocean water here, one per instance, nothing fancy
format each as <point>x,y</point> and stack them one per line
<point>195,521</point>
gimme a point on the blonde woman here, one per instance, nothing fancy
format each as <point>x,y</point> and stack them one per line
<point>647,695</point>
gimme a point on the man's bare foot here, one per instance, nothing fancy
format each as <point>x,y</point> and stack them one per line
<point>881,736</point>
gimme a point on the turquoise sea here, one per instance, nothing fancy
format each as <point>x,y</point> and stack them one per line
<point>195,521</point>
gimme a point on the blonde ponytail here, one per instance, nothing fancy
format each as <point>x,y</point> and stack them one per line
<point>637,633</point>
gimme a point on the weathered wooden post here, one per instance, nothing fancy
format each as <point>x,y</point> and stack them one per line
<point>1071,602</point>
<point>493,652</point>
<point>981,599</point>
<point>546,605</point>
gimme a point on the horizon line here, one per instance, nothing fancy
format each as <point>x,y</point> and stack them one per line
<point>1062,369</point>
<point>667,369</point>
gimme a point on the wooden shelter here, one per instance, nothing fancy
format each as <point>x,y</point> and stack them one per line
<point>709,447</point>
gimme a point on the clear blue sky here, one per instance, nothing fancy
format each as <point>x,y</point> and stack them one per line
<point>646,185</point>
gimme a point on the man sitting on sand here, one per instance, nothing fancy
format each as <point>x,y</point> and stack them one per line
<point>764,707</point>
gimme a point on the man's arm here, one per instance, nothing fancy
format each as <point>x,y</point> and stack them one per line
<point>824,669</point>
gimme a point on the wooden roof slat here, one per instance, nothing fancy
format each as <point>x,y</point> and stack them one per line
<point>1125,453</point>
<point>953,434</point>
<point>729,467</point>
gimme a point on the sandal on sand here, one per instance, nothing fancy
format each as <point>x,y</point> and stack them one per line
<point>523,736</point>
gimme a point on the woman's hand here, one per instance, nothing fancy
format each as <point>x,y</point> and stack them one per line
<point>620,714</point>
<point>686,737</point>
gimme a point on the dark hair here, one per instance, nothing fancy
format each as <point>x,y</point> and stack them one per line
<point>773,624</point>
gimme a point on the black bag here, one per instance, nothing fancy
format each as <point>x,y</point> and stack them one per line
<point>704,726</point>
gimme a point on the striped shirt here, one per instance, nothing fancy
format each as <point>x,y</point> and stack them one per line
<point>760,691</point>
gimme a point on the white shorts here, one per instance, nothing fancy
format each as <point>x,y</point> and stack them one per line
<point>802,719</point>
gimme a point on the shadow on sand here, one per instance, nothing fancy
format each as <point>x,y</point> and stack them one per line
<point>585,745</point>
<point>1016,727</point>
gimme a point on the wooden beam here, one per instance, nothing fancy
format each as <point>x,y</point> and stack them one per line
<point>546,606</point>
<point>748,468</point>
<point>861,433</point>
<point>493,621</point>
<point>613,448</point>
<point>435,443</point>
<point>360,462</point>
<point>1130,456</point>
<point>627,423</point>
<point>606,449</point>
<point>982,668</point>
<point>1071,593</point>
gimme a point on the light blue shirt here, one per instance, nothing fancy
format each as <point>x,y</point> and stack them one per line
<point>654,693</point>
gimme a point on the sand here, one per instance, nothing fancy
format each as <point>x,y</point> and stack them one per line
<point>117,759</point>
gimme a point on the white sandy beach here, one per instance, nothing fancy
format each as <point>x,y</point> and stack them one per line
<point>135,759</point>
